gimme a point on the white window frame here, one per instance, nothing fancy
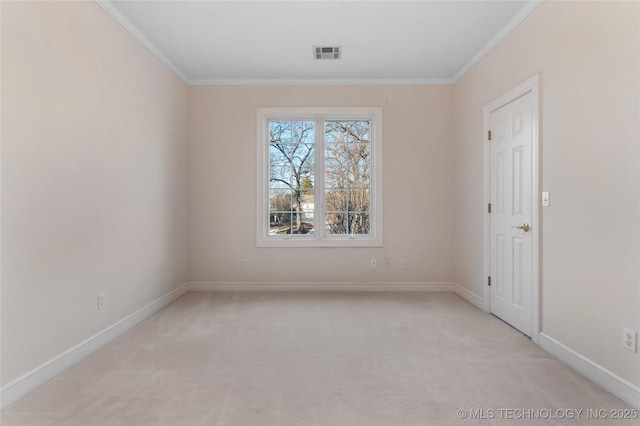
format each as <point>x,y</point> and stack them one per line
<point>320,238</point>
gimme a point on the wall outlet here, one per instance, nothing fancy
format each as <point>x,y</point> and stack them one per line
<point>387,262</point>
<point>100,301</point>
<point>373,263</point>
<point>403,263</point>
<point>244,263</point>
<point>629,340</point>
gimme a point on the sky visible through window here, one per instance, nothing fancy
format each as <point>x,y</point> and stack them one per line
<point>345,188</point>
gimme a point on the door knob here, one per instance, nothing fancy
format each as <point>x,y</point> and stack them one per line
<point>524,227</point>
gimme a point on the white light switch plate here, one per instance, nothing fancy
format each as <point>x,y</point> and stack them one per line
<point>545,199</point>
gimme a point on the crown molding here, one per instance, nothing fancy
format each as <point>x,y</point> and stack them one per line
<point>318,82</point>
<point>500,35</point>
<point>108,6</point>
<point>115,13</point>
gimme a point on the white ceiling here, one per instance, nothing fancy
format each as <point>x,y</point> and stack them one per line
<point>270,42</point>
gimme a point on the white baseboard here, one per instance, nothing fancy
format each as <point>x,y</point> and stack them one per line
<point>28,382</point>
<point>612,383</point>
<point>35,378</point>
<point>472,298</point>
<point>318,286</point>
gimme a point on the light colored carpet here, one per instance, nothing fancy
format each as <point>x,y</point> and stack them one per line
<point>317,358</point>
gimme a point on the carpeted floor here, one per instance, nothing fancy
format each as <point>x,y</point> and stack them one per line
<point>315,358</point>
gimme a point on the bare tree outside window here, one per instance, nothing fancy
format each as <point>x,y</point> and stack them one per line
<point>291,177</point>
<point>347,176</point>
<point>347,179</point>
<point>319,177</point>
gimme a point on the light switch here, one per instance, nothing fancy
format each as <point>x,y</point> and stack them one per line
<point>545,199</point>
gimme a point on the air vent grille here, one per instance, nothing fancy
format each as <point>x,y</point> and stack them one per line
<point>327,52</point>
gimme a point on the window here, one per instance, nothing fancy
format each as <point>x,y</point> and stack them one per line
<point>319,177</point>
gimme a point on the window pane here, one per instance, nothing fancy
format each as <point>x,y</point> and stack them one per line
<point>345,131</point>
<point>359,177</point>
<point>347,176</point>
<point>302,222</point>
<point>280,131</point>
<point>307,179</point>
<point>359,223</point>
<point>335,200</point>
<point>303,200</point>
<point>291,176</point>
<point>359,156</point>
<point>347,154</point>
<point>342,223</point>
<point>303,132</point>
<point>291,132</point>
<point>291,154</point>
<point>276,156</point>
<point>279,223</point>
<point>336,223</point>
<point>305,226</point>
<point>302,156</point>
<point>336,165</point>
<point>276,182</point>
<point>358,200</point>
<point>280,200</point>
<point>303,206</point>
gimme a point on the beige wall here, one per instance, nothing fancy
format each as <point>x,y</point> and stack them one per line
<point>417,187</point>
<point>588,57</point>
<point>93,178</point>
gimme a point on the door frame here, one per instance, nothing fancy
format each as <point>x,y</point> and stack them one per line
<point>531,85</point>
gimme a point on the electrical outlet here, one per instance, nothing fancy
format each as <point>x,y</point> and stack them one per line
<point>403,263</point>
<point>373,263</point>
<point>387,262</point>
<point>100,301</point>
<point>244,263</point>
<point>629,340</point>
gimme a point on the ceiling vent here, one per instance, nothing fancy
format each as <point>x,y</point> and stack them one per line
<point>327,52</point>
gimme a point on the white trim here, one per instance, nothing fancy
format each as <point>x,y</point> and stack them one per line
<point>35,378</point>
<point>486,225</point>
<point>119,17</point>
<point>616,385</point>
<point>470,297</point>
<point>1,400</point>
<point>319,114</point>
<point>638,310</point>
<point>497,38</point>
<point>320,286</point>
<point>536,223</point>
<point>28,382</point>
<point>531,85</point>
<point>320,82</point>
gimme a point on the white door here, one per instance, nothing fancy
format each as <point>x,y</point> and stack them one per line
<point>512,212</point>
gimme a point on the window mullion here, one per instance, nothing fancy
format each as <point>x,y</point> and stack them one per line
<point>347,192</point>
<point>319,180</point>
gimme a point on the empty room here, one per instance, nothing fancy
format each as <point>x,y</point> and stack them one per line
<point>319,213</point>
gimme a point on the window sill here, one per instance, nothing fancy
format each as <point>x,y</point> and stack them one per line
<point>293,242</point>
